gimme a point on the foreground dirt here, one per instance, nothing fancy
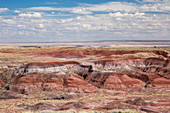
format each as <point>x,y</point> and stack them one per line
<point>84,80</point>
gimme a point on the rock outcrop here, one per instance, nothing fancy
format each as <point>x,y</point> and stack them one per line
<point>119,65</point>
<point>50,67</point>
<point>109,74</point>
<point>52,76</point>
<point>160,83</point>
<point>113,80</point>
<point>50,82</point>
<point>161,62</point>
<point>36,82</point>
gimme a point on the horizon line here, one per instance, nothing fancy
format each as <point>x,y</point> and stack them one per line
<point>94,41</point>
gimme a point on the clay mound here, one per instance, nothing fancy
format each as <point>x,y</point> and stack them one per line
<point>75,81</point>
<point>160,83</point>
<point>155,61</point>
<point>77,84</point>
<point>145,77</point>
<point>49,82</point>
<point>113,80</point>
<point>162,72</point>
<point>36,82</point>
<point>151,79</point>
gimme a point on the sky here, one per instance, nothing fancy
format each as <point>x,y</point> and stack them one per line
<point>83,20</point>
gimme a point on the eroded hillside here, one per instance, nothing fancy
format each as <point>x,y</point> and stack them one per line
<point>85,79</point>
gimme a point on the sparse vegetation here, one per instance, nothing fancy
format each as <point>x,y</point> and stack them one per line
<point>100,101</point>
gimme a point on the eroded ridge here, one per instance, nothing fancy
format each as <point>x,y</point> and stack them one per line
<point>94,79</point>
<point>62,67</point>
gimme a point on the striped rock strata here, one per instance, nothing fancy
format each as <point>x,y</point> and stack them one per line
<point>59,67</point>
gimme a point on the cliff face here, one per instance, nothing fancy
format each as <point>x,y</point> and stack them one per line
<point>148,64</point>
<point>151,65</point>
<point>119,65</point>
<point>57,67</point>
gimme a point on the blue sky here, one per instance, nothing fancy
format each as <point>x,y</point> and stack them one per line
<point>84,20</point>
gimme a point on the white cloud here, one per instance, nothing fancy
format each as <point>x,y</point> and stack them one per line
<point>21,26</point>
<point>36,15</point>
<point>9,21</point>
<point>146,5</point>
<point>119,14</point>
<point>41,26</point>
<point>88,8</point>
<point>3,10</point>
<point>153,1</point>
<point>150,0</point>
<point>154,5</point>
<point>43,8</point>
<point>16,11</point>
<point>120,20</point>
<point>77,10</point>
<point>81,11</point>
<point>88,27</point>
<point>113,6</point>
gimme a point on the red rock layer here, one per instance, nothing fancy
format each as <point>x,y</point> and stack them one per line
<point>113,80</point>
<point>50,82</point>
<point>156,61</point>
<point>160,82</point>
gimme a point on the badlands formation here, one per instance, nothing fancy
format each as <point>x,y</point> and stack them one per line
<point>85,80</point>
